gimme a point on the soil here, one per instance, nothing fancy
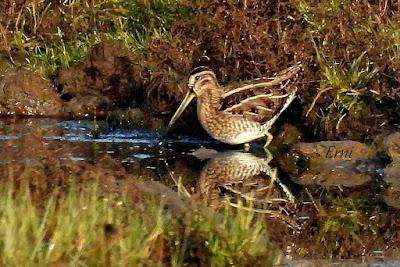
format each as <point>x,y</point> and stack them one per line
<point>104,81</point>
<point>259,39</point>
<point>24,93</point>
<point>43,160</point>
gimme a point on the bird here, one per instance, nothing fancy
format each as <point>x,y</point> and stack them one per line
<point>241,176</point>
<point>239,113</point>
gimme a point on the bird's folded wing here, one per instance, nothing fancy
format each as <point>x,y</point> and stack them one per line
<point>287,74</point>
<point>260,99</point>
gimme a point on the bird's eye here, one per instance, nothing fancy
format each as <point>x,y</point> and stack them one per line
<point>197,78</point>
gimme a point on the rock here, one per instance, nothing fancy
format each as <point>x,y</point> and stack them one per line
<point>392,196</point>
<point>204,153</point>
<point>328,152</point>
<point>25,93</point>
<point>391,144</point>
<point>391,174</point>
<point>345,163</point>
<point>330,176</point>
<point>87,106</point>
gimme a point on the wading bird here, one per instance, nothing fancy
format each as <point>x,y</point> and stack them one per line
<point>240,113</point>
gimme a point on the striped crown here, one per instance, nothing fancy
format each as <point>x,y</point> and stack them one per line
<point>199,69</point>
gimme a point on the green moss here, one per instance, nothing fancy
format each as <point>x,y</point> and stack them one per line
<point>354,77</point>
<point>315,23</point>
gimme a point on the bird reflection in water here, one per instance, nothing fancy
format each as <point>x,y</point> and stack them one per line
<point>235,177</point>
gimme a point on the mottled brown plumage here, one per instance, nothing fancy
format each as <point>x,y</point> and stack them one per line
<point>241,175</point>
<point>239,113</point>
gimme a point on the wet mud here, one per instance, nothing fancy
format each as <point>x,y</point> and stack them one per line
<point>104,81</point>
<point>24,93</point>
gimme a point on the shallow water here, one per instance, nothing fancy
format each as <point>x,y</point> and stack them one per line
<point>127,145</point>
<point>315,220</point>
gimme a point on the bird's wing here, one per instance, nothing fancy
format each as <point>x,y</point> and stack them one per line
<point>261,99</point>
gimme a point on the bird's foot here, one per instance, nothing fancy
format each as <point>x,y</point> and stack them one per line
<point>246,147</point>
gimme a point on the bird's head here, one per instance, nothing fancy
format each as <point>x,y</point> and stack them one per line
<point>200,79</point>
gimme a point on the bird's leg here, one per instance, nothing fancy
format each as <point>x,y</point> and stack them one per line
<point>246,147</point>
<point>269,155</point>
<point>275,179</point>
<point>267,152</point>
<point>269,139</point>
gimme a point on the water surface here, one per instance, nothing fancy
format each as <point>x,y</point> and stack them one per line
<point>313,220</point>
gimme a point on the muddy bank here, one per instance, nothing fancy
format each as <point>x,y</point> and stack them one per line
<point>25,93</point>
<point>104,81</point>
<point>46,166</point>
<point>349,88</point>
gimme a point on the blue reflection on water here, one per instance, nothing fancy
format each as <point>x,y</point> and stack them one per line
<point>127,145</point>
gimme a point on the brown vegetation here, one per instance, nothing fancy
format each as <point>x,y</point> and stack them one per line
<point>239,40</point>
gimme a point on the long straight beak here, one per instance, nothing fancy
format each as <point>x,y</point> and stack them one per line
<point>186,101</point>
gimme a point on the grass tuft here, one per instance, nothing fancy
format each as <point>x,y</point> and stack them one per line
<point>85,226</point>
<point>348,81</point>
<point>53,37</point>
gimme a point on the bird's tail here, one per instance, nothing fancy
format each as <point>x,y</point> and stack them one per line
<point>291,96</point>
